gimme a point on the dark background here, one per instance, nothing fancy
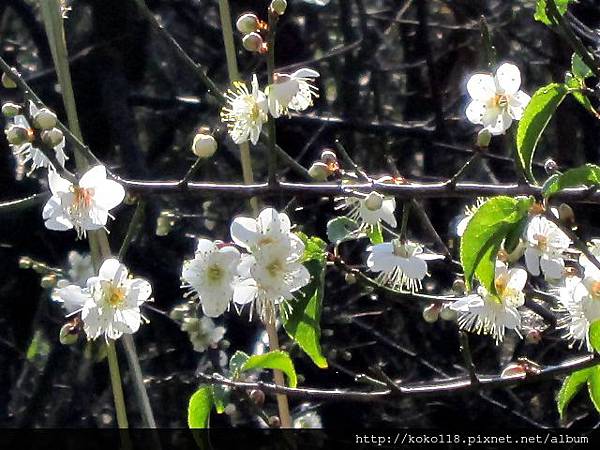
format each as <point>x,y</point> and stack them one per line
<point>392,86</point>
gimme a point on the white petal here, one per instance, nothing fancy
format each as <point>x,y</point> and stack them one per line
<point>517,104</point>
<point>532,261</point>
<point>414,267</point>
<point>500,125</point>
<point>57,183</point>
<point>72,297</point>
<point>305,73</point>
<point>93,177</point>
<point>245,291</point>
<point>140,289</point>
<point>300,278</point>
<point>508,78</point>
<point>517,278</point>
<point>243,231</point>
<point>476,111</point>
<point>109,194</point>
<point>111,270</point>
<point>382,262</point>
<point>481,87</point>
<point>553,267</point>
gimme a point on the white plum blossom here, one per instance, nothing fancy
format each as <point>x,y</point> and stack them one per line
<point>245,112</point>
<point>272,272</point>
<point>269,277</point>
<point>496,99</point>
<point>545,244</point>
<point>401,264</point>
<point>72,297</point>
<point>371,210</point>
<point>113,306</point>
<point>486,313</point>
<point>292,91</point>
<point>203,332</point>
<point>210,275</point>
<point>80,270</point>
<point>110,302</point>
<point>84,206</point>
<point>580,301</point>
<point>271,227</point>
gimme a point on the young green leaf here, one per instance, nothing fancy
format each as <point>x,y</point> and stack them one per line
<point>220,397</point>
<point>570,387</point>
<point>199,407</point>
<point>488,227</point>
<point>594,386</point>
<point>278,360</point>
<point>303,324</point>
<point>314,248</point>
<point>580,68</point>
<point>375,235</point>
<point>537,114</point>
<point>540,10</point>
<point>340,229</point>
<point>576,87</point>
<point>587,175</point>
<point>236,363</point>
<point>594,335</point>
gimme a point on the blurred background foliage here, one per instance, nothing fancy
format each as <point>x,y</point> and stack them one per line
<point>393,75</point>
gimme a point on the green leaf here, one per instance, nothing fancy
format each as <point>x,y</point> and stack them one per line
<point>303,324</point>
<point>540,10</point>
<point>570,387</point>
<point>314,248</point>
<point>236,363</point>
<point>537,114</point>
<point>594,335</point>
<point>587,175</point>
<point>341,229</point>
<point>220,397</point>
<point>278,360</point>
<point>375,235</point>
<point>199,407</point>
<point>488,227</point>
<point>579,68</point>
<point>576,84</point>
<point>594,386</point>
<point>514,236</point>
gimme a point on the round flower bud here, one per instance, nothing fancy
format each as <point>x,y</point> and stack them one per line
<point>431,313</point>
<point>374,201</point>
<point>566,214</point>
<point>247,23</point>
<point>483,138</point>
<point>164,223</point>
<point>253,42</point>
<point>274,422</point>
<point>257,396</point>
<point>319,171</point>
<point>458,286</point>
<point>48,281</point>
<point>25,262</point>
<point>17,134</point>
<point>278,6</point>
<point>350,278</point>
<point>52,137</point>
<point>204,145</point>
<point>10,109</point>
<point>44,119</point>
<point>447,314</point>
<point>67,334</point>
<point>7,82</point>
<point>328,156</point>
<point>230,409</point>
<point>550,166</point>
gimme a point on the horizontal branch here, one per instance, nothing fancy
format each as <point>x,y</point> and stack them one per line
<point>437,387</point>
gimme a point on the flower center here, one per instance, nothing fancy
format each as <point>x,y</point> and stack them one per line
<point>401,250</point>
<point>275,268</point>
<point>500,100</point>
<point>542,241</point>
<point>82,198</point>
<point>114,296</point>
<point>255,110</point>
<point>500,283</point>
<point>214,273</point>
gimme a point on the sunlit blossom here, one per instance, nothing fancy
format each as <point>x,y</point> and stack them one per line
<point>545,245</point>
<point>294,91</point>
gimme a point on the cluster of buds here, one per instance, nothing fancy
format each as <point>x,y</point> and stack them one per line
<point>326,167</point>
<point>253,28</point>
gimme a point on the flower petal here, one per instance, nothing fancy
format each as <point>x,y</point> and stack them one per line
<point>508,78</point>
<point>244,231</point>
<point>481,86</point>
<point>245,291</point>
<point>93,177</point>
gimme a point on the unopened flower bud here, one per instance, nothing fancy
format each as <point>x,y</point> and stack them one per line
<point>550,166</point>
<point>483,138</point>
<point>17,134</point>
<point>204,145</point>
<point>278,6</point>
<point>247,23</point>
<point>513,369</point>
<point>253,42</point>
<point>67,334</point>
<point>257,396</point>
<point>319,171</point>
<point>25,262</point>
<point>230,409</point>
<point>10,109</point>
<point>48,281</point>
<point>431,313</point>
<point>52,137</point>
<point>350,278</point>
<point>447,314</point>
<point>164,223</point>
<point>7,82</point>
<point>44,119</point>
<point>274,422</point>
<point>374,201</point>
<point>328,156</point>
<point>566,214</point>
<point>458,286</point>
